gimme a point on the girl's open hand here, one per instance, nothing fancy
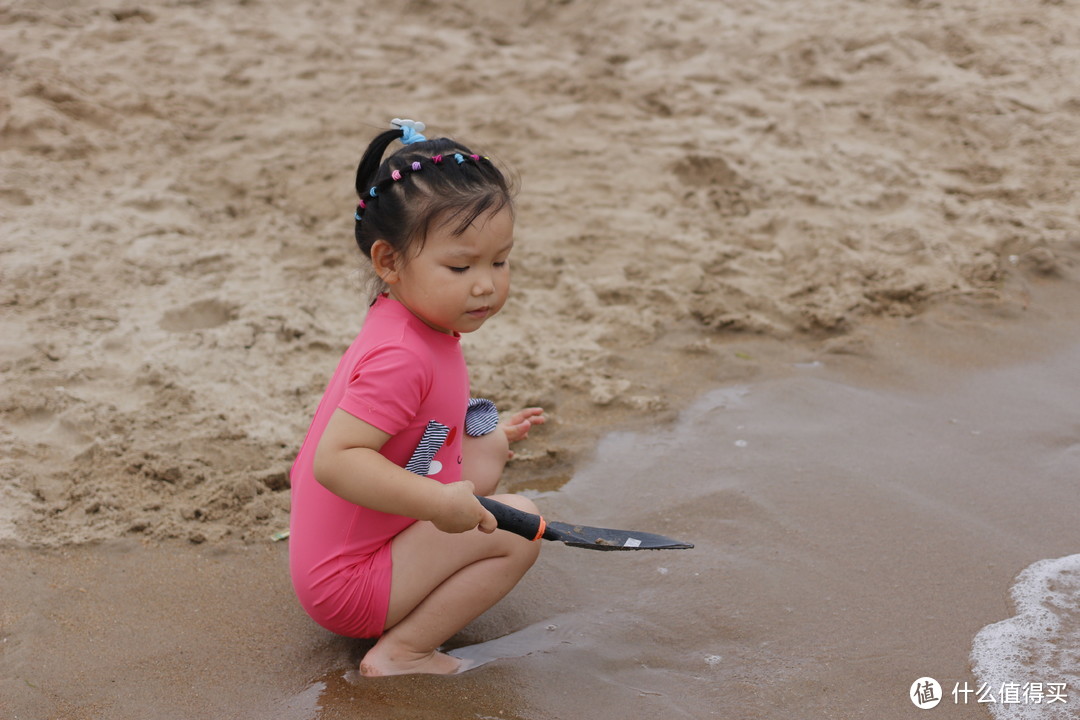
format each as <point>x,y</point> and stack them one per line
<point>461,511</point>
<point>517,426</point>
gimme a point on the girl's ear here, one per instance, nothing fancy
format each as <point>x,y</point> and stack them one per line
<point>385,261</point>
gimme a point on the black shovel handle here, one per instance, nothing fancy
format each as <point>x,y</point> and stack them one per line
<point>519,522</point>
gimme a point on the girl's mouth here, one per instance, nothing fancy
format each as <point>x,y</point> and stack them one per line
<point>479,312</point>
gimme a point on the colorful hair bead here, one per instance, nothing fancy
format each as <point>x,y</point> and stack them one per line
<point>372,191</point>
<point>362,205</point>
<point>436,159</point>
<point>476,158</point>
<point>396,174</point>
<point>416,166</point>
<point>459,157</point>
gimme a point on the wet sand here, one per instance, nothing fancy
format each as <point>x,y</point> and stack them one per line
<point>858,518</point>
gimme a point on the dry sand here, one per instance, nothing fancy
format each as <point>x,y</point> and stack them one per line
<point>709,192</point>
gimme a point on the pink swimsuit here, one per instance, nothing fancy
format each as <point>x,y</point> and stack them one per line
<point>398,375</point>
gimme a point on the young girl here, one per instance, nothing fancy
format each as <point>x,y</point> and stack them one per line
<point>387,537</point>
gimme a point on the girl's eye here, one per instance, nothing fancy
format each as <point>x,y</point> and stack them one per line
<point>501,263</point>
<point>458,269</point>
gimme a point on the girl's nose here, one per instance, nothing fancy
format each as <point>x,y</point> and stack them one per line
<point>484,285</point>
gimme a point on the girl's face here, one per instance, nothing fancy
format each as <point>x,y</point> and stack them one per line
<point>456,282</point>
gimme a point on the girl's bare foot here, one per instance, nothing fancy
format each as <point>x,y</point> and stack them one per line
<point>388,658</point>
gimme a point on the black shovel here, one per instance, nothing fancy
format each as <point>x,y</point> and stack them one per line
<point>534,527</point>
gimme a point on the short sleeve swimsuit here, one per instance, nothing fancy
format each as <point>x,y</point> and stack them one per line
<point>400,376</point>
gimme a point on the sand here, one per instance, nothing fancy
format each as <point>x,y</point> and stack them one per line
<point>709,194</point>
<point>857,520</point>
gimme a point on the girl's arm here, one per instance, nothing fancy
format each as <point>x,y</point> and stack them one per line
<point>348,464</point>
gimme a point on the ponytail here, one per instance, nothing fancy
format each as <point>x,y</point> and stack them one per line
<point>372,160</point>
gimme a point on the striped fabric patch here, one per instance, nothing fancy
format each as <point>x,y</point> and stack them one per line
<point>481,418</point>
<point>434,436</point>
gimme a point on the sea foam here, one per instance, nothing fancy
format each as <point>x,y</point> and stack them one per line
<point>1024,660</point>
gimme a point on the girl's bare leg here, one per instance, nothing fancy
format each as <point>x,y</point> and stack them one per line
<point>441,582</point>
<point>483,459</point>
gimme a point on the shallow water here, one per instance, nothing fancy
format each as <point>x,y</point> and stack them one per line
<point>858,520</point>
<point>851,539</point>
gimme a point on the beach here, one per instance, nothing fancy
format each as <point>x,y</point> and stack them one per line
<point>857,521</point>
<point>796,284</point>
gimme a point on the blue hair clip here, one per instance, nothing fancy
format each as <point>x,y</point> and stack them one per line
<point>459,157</point>
<point>410,136</point>
<point>410,130</point>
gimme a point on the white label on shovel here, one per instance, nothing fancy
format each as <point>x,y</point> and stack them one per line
<point>632,542</point>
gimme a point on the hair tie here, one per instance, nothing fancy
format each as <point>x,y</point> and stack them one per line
<point>476,158</point>
<point>416,166</point>
<point>410,130</point>
<point>362,205</point>
<point>371,192</point>
<point>357,216</point>
<point>459,157</point>
<point>396,174</point>
<point>436,159</point>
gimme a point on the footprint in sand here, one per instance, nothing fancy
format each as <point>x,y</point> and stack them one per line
<point>716,184</point>
<point>199,315</point>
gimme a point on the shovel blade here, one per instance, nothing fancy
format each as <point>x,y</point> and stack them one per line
<point>593,538</point>
<point>534,527</point>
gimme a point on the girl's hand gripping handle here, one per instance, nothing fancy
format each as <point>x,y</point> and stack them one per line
<point>519,522</point>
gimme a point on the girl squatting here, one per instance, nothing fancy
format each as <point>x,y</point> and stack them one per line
<point>387,538</point>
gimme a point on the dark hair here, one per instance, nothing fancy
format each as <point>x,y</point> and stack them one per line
<point>421,186</point>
